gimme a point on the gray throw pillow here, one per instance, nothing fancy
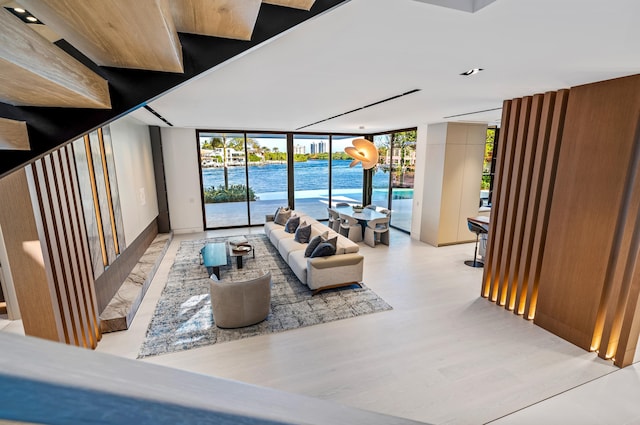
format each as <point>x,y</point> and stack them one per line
<point>314,242</point>
<point>292,224</point>
<point>282,216</point>
<point>334,243</point>
<point>325,249</point>
<point>303,233</point>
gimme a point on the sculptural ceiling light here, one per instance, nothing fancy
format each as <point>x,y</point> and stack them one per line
<point>363,151</point>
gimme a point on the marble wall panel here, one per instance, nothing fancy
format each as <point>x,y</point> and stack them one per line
<point>113,186</point>
<point>88,207</point>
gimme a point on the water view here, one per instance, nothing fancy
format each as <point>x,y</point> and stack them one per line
<point>268,183</point>
<point>229,174</point>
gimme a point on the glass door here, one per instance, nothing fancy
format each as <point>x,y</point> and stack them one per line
<point>225,191</point>
<point>267,172</point>
<point>403,167</point>
<point>311,174</point>
<point>346,182</point>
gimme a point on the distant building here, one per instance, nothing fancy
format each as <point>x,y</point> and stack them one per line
<point>314,148</point>
<point>322,147</point>
<point>300,149</point>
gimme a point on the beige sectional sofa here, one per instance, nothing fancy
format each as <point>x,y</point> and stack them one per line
<point>343,268</point>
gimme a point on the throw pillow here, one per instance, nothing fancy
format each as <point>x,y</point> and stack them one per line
<point>334,243</point>
<point>325,249</point>
<point>314,242</point>
<point>282,216</point>
<point>292,224</point>
<point>303,233</point>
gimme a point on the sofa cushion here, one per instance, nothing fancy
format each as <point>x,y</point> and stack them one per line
<point>292,224</point>
<point>278,235</point>
<point>324,249</point>
<point>303,233</point>
<point>314,242</point>
<point>288,245</point>
<point>282,216</point>
<point>298,264</point>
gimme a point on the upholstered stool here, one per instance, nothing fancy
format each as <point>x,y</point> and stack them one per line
<point>240,303</point>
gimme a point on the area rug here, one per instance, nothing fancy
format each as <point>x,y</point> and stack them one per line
<point>183,319</point>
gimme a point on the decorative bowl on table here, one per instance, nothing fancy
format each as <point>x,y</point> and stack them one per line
<point>357,208</point>
<point>241,248</point>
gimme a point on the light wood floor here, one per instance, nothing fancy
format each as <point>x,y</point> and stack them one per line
<point>442,355</point>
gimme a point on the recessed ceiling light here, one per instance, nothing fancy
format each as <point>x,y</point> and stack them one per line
<point>361,127</point>
<point>19,9</point>
<point>31,19</point>
<point>472,71</point>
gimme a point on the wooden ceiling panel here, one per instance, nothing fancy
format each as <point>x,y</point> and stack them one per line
<point>296,4</point>
<point>13,135</point>
<point>34,72</point>
<point>120,33</point>
<point>218,18</point>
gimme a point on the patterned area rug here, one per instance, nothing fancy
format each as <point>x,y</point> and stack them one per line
<point>183,317</point>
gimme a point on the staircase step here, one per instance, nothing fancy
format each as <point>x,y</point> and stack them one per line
<point>13,135</point>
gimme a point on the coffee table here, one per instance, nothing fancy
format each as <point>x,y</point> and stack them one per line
<point>239,251</point>
<point>213,255</point>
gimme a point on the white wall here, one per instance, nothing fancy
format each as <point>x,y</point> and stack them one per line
<point>183,179</point>
<point>134,170</point>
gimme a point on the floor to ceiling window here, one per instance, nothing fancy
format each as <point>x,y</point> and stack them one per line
<point>346,182</point>
<point>224,179</point>
<point>403,167</point>
<point>245,176</point>
<point>311,174</point>
<point>267,171</point>
<point>382,174</point>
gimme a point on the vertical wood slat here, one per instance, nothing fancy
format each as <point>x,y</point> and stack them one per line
<point>509,285</point>
<point>77,254</point>
<point>488,274</point>
<point>505,188</point>
<point>53,259</point>
<point>55,182</point>
<point>525,210</point>
<point>85,257</point>
<point>524,187</point>
<point>68,250</point>
<point>547,186</point>
<point>535,195</point>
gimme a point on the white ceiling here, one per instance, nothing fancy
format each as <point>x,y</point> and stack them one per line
<point>368,50</point>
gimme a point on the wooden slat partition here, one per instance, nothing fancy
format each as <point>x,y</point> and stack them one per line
<point>67,260</point>
<point>564,240</point>
<point>524,166</point>
<point>589,277</point>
